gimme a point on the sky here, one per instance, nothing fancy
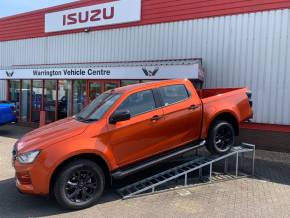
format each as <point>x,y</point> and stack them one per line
<point>12,7</point>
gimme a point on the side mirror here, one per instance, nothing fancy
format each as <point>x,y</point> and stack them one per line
<point>120,116</point>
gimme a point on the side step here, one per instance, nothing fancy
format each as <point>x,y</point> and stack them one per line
<point>125,172</point>
<point>198,163</point>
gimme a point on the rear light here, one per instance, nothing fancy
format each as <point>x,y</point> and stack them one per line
<point>249,94</point>
<point>251,103</point>
<point>23,178</point>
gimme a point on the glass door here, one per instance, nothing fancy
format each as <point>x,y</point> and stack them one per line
<point>95,89</point>
<point>14,95</point>
<point>36,103</point>
<point>111,84</point>
<point>25,100</point>
<point>79,95</point>
<point>50,100</point>
<point>64,98</point>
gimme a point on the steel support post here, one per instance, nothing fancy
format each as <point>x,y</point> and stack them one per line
<point>210,172</point>
<point>237,164</point>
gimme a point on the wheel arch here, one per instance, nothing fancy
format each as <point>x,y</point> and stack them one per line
<point>229,117</point>
<point>87,156</point>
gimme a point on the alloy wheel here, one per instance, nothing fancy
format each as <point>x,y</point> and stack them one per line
<point>81,186</point>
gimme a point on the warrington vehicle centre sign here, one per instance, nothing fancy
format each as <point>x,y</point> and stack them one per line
<point>190,71</point>
<point>122,11</point>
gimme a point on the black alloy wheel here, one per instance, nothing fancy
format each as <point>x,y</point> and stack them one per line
<point>81,187</point>
<point>224,137</point>
<point>221,137</point>
<point>79,184</point>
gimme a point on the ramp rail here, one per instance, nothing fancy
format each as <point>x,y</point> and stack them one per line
<point>198,162</point>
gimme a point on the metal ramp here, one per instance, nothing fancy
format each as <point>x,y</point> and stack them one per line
<point>198,163</point>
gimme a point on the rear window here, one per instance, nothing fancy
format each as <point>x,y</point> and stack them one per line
<point>173,94</point>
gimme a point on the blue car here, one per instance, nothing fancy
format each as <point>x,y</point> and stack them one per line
<point>7,113</point>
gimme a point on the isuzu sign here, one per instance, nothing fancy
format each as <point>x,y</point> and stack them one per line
<point>122,11</point>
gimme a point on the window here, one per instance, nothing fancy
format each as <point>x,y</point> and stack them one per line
<point>98,107</point>
<point>64,98</point>
<point>36,100</point>
<point>173,94</point>
<point>25,101</point>
<point>110,85</point>
<point>129,82</point>
<point>50,99</point>
<point>138,103</point>
<point>14,92</point>
<point>79,95</point>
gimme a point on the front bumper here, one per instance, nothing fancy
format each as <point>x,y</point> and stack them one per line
<point>36,180</point>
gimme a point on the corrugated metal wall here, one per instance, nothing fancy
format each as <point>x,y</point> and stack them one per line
<point>240,50</point>
<point>3,90</point>
<point>31,25</point>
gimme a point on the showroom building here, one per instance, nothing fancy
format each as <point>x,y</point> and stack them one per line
<point>58,59</point>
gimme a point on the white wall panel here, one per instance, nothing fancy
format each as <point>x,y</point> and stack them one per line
<point>241,50</point>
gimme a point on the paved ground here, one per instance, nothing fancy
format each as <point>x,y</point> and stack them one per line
<point>266,195</point>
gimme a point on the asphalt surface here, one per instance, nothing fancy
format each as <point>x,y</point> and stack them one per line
<point>266,195</point>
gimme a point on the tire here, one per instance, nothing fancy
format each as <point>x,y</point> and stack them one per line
<point>79,184</point>
<point>221,138</point>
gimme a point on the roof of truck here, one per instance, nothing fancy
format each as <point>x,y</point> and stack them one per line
<point>148,85</point>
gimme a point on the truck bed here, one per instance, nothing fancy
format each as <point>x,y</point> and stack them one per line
<point>206,93</point>
<point>225,100</point>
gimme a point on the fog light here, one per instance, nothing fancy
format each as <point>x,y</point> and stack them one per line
<point>23,178</point>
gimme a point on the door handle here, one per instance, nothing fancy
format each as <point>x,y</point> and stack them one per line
<point>156,118</point>
<point>193,107</point>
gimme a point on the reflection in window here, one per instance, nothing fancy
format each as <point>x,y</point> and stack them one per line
<point>110,85</point>
<point>14,92</point>
<point>94,90</point>
<point>138,103</point>
<point>25,101</point>
<point>173,94</point>
<point>129,82</point>
<point>79,95</point>
<point>36,99</point>
<point>64,98</point>
<point>146,81</point>
<point>49,99</point>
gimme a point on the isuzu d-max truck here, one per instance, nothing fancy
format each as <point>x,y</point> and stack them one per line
<point>123,131</point>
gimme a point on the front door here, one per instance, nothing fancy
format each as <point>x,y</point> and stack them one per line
<point>139,137</point>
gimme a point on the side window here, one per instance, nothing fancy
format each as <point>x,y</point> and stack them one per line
<point>138,103</point>
<point>173,94</point>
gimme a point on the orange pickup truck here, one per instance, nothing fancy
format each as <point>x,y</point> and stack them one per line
<point>123,131</point>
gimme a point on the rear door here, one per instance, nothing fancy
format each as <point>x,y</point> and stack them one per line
<point>182,114</point>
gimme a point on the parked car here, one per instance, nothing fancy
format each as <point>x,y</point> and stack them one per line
<point>7,113</point>
<point>8,103</point>
<point>123,131</point>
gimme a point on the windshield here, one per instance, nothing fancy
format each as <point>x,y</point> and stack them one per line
<point>98,107</point>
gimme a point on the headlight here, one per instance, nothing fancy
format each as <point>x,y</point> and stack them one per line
<point>28,157</point>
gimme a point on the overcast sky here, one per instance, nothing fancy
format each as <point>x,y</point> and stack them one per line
<point>12,7</point>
